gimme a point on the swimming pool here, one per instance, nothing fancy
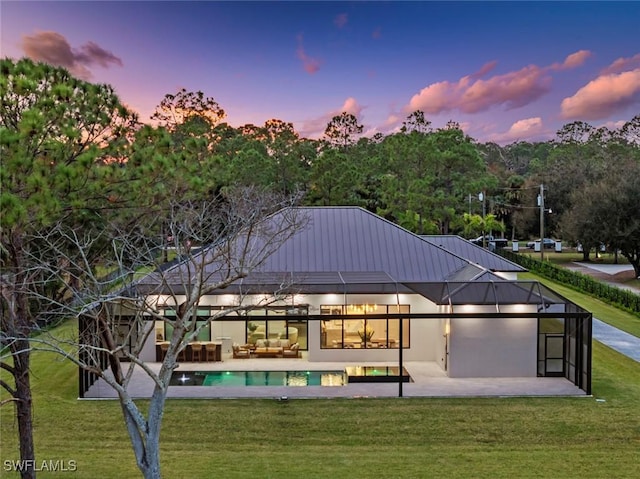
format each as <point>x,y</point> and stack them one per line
<point>258,378</point>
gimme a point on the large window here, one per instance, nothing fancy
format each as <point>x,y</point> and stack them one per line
<point>203,320</point>
<point>363,333</point>
<point>283,322</point>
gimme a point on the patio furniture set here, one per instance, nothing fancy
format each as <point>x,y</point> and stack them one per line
<point>267,348</point>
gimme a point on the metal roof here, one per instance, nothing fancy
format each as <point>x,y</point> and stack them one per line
<point>474,253</point>
<point>351,250</point>
<point>354,240</point>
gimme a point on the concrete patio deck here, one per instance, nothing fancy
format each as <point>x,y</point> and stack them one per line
<point>429,381</point>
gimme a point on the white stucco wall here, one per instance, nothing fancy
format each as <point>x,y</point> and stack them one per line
<point>493,347</point>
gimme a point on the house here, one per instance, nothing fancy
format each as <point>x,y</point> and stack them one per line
<point>362,289</point>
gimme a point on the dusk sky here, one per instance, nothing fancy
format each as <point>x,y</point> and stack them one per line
<point>506,71</point>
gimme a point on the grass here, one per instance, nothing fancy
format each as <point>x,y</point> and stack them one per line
<point>610,315</point>
<point>345,438</point>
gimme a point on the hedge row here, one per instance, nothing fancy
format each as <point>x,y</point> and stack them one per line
<point>621,298</point>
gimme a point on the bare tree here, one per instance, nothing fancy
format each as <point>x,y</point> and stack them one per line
<point>217,242</point>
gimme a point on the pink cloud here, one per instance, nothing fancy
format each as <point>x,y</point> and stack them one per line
<point>53,48</point>
<point>341,20</point>
<point>525,129</point>
<point>486,68</point>
<point>622,64</point>
<point>472,93</point>
<point>574,60</point>
<point>603,96</point>
<point>377,33</point>
<point>311,65</point>
<point>315,127</point>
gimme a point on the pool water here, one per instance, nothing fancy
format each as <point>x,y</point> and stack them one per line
<point>376,374</point>
<point>258,378</point>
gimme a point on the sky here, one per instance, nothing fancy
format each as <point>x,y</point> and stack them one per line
<point>505,71</point>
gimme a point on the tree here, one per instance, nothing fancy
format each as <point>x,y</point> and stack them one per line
<point>606,212</point>
<point>59,142</point>
<point>188,108</point>
<point>417,122</point>
<point>341,130</point>
<point>236,233</point>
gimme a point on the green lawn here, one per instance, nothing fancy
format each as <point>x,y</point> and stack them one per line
<point>346,438</point>
<point>613,316</point>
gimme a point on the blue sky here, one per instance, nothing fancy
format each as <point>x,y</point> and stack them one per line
<point>506,71</point>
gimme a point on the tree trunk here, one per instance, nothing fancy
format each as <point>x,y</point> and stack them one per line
<point>21,358</point>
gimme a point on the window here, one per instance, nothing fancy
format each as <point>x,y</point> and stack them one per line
<point>361,332</point>
<point>288,323</point>
<point>203,335</point>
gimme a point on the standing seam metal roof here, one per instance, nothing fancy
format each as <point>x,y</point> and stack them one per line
<point>352,239</point>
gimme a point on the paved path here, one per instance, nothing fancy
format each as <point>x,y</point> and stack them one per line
<point>624,343</point>
<point>604,273</point>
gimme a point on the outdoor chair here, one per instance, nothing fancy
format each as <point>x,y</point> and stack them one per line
<point>293,352</point>
<point>240,352</point>
<point>210,352</point>
<point>196,352</point>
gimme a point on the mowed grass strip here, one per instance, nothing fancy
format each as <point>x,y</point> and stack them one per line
<point>615,317</point>
<point>346,438</point>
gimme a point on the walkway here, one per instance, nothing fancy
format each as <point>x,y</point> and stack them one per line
<point>623,342</point>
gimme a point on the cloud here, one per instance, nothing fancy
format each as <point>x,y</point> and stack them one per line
<point>311,65</point>
<point>622,64</point>
<point>341,20</point>
<point>377,33</point>
<point>315,127</point>
<point>603,96</point>
<point>472,93</point>
<point>486,68</point>
<point>573,61</point>
<point>53,48</point>
<point>525,129</point>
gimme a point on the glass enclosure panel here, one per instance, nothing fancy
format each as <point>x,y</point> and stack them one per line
<point>551,325</point>
<point>555,347</point>
<point>554,365</point>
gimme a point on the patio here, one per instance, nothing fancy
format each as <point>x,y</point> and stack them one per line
<point>429,381</point>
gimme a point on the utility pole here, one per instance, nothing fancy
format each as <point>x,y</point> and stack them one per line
<point>541,204</point>
<point>483,197</point>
